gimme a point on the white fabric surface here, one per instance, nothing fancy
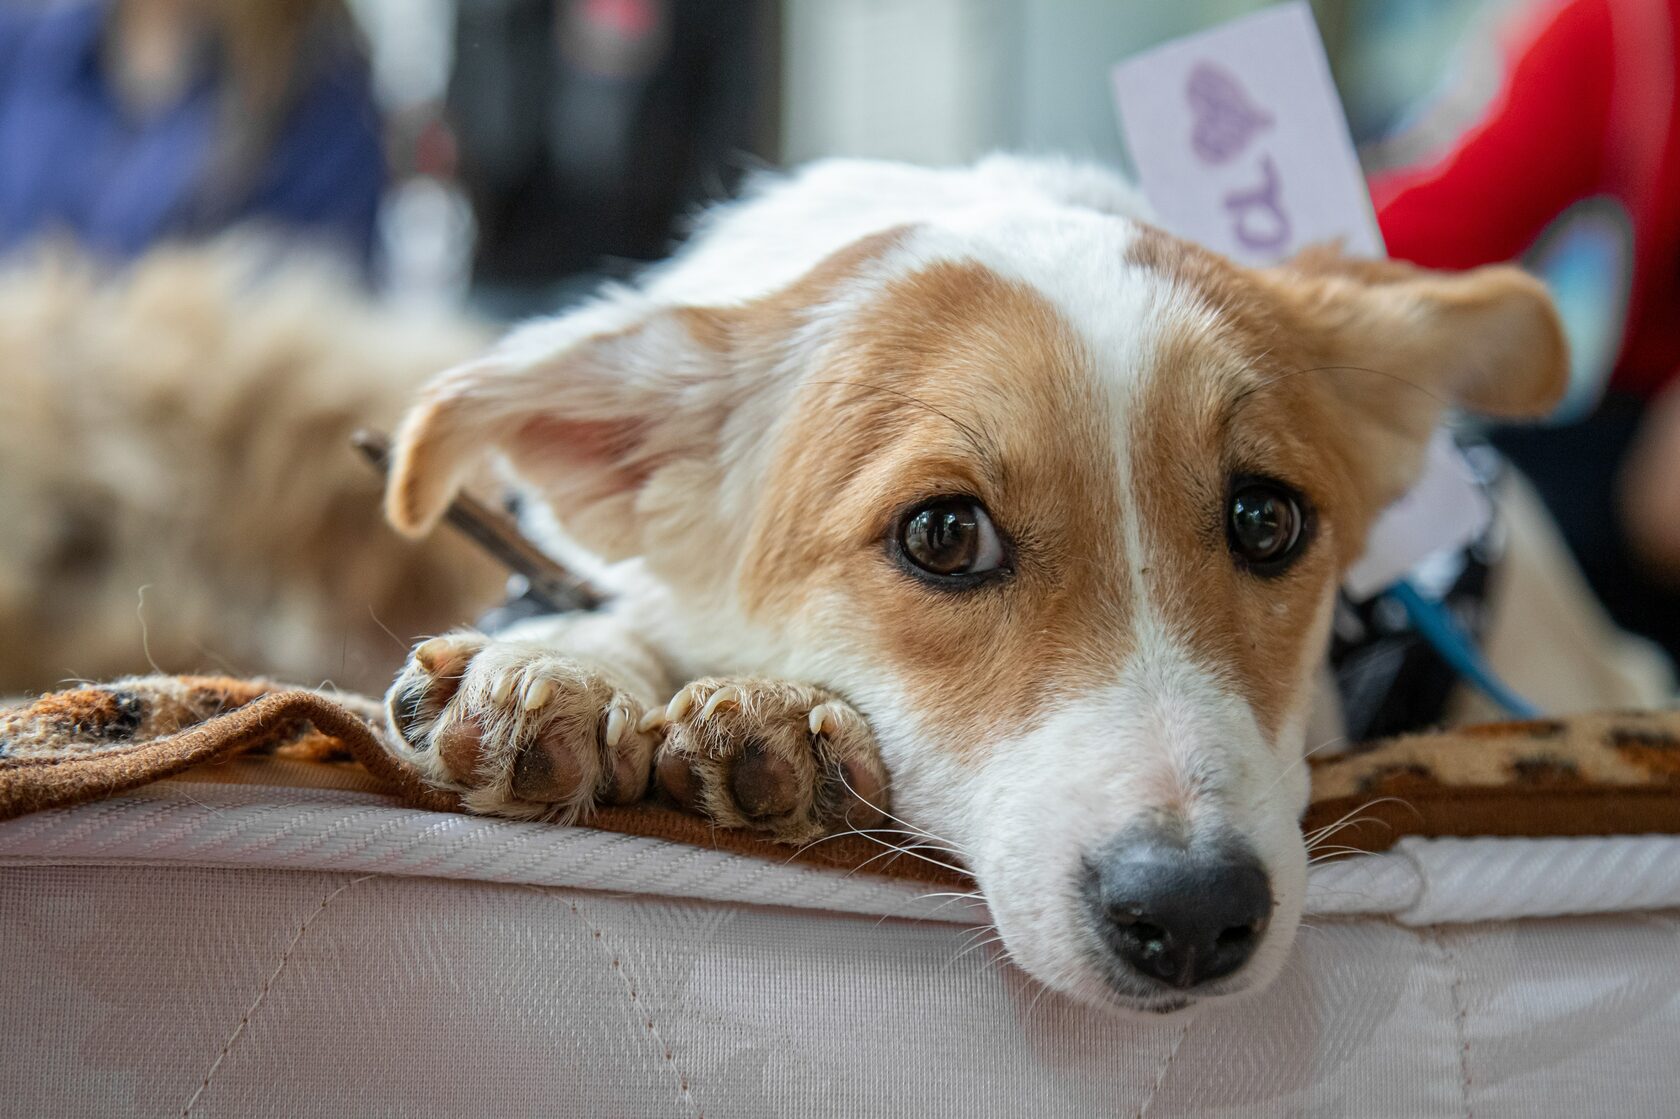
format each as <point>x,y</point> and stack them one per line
<point>1421,881</point>
<point>159,960</point>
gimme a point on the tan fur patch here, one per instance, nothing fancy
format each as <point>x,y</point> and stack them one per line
<point>960,382</point>
<point>1267,392</point>
<point>1283,373</point>
<point>1328,374</point>
<point>955,382</point>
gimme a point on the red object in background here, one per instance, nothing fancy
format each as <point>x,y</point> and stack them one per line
<point>435,151</point>
<point>1586,106</point>
<point>632,19</point>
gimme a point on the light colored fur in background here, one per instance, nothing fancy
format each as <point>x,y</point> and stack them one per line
<point>179,431</point>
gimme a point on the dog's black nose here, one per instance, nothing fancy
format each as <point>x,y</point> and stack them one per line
<point>1178,914</point>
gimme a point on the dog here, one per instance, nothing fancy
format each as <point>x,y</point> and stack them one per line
<point>972,486</point>
<point>177,489</point>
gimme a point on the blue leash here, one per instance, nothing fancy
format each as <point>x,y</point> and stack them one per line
<point>1436,625</point>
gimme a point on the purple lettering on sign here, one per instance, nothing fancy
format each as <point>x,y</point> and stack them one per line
<point>1258,218</point>
<point>1225,120</point>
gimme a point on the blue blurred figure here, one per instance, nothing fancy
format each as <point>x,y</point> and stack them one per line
<point>126,122</point>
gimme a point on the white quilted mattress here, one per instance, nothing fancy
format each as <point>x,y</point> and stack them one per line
<point>215,949</point>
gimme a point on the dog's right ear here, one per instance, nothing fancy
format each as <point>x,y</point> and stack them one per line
<point>587,408</point>
<point>626,416</point>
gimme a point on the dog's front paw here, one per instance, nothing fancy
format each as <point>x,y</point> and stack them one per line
<point>791,761</point>
<point>517,729</point>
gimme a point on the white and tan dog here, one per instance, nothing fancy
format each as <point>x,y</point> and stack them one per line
<point>970,477</point>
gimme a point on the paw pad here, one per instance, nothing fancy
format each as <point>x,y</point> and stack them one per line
<point>786,760</point>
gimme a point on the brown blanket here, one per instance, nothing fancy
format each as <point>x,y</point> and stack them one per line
<point>1582,775</point>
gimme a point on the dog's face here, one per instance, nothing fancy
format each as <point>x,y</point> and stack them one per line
<point>1059,502</point>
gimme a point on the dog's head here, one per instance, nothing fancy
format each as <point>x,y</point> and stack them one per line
<point>1060,502</point>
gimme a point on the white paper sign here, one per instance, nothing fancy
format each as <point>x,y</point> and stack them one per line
<point>1446,504</point>
<point>1241,145</point>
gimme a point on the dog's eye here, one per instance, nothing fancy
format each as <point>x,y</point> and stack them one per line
<point>1265,524</point>
<point>951,537</point>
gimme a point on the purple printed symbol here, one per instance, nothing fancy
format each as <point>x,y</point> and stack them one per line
<point>1225,120</point>
<point>1257,215</point>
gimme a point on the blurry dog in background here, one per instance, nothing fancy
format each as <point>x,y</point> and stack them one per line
<point>177,488</point>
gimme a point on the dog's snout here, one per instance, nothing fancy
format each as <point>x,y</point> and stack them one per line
<point>1181,915</point>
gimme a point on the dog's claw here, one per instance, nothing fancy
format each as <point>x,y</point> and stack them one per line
<point>650,720</point>
<point>540,691</point>
<point>822,720</point>
<point>679,705</point>
<point>726,696</point>
<point>432,654</point>
<point>616,722</point>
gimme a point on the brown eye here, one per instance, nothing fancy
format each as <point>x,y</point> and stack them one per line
<point>950,538</point>
<point>1265,524</point>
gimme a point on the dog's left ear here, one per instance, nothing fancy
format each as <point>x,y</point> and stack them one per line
<point>606,411</point>
<point>1398,345</point>
<point>1486,340</point>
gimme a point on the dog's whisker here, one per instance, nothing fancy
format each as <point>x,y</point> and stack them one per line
<point>1295,763</point>
<point>891,849</point>
<point>870,833</point>
<point>1323,854</point>
<point>912,853</point>
<point>401,644</point>
<point>924,839</point>
<point>1032,1007</point>
<point>145,636</point>
<point>873,835</point>
<point>1324,844</point>
<point>1313,837</point>
<point>1333,740</point>
<point>866,863</point>
<point>915,854</point>
<point>970,949</point>
<point>950,899</point>
<point>971,937</point>
<point>1316,842</point>
<point>888,853</point>
<point>953,848</point>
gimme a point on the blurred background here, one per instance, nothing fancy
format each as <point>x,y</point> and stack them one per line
<point>516,147</point>
<point>575,135</point>
<point>477,161</point>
